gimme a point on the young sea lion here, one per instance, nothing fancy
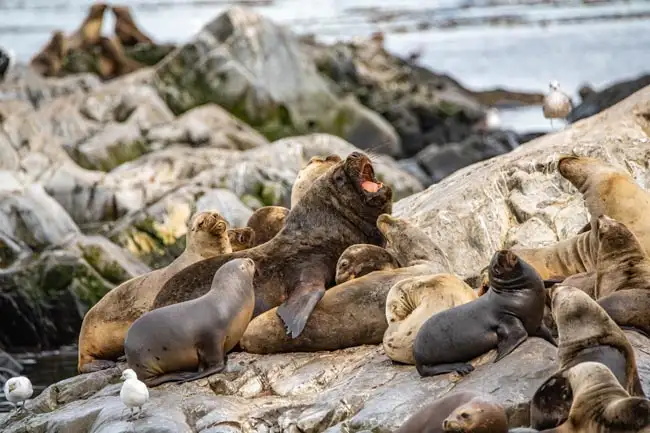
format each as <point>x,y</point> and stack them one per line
<point>411,302</point>
<point>112,61</point>
<point>586,333</point>
<point>101,338</point>
<point>600,404</point>
<point>359,260</point>
<point>125,28</point>
<point>459,412</point>
<point>267,222</point>
<point>163,344</point>
<point>89,32</point>
<point>309,173</point>
<point>338,210</point>
<point>503,318</point>
<point>49,61</point>
<point>241,238</point>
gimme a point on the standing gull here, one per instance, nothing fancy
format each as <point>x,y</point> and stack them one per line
<point>134,393</point>
<point>557,104</point>
<point>18,389</point>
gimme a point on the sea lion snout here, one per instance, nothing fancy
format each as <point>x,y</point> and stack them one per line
<point>247,265</point>
<point>451,425</point>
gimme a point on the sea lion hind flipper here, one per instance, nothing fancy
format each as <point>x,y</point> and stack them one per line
<point>205,373</point>
<point>461,368</point>
<point>296,310</point>
<point>545,333</point>
<point>97,365</point>
<point>176,376</point>
<point>121,358</point>
<point>510,333</point>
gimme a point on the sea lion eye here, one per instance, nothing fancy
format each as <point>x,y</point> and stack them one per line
<point>464,415</point>
<point>344,263</point>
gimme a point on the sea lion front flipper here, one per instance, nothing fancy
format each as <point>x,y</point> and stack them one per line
<point>510,333</point>
<point>296,310</point>
<point>461,368</point>
<point>545,333</point>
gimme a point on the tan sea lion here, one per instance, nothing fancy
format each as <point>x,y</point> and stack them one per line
<point>309,173</point>
<point>49,61</point>
<point>101,338</point>
<point>411,302</point>
<point>600,404</point>
<point>359,260</point>
<point>241,238</point>
<point>163,344</point>
<point>126,30</point>
<point>294,268</point>
<point>267,222</point>
<point>586,333</point>
<point>89,32</point>
<point>502,319</point>
<point>112,61</point>
<point>459,412</point>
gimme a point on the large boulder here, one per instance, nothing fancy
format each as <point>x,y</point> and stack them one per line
<point>256,69</point>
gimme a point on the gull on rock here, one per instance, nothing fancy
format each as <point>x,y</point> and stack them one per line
<point>134,393</point>
<point>18,389</point>
<point>557,104</point>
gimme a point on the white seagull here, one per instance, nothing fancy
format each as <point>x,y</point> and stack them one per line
<point>18,389</point>
<point>557,104</point>
<point>134,393</point>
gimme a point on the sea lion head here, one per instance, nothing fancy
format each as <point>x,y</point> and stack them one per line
<point>241,238</point>
<point>239,271</point>
<point>266,222</point>
<point>361,259</point>
<point>208,234</point>
<point>357,173</point>
<point>614,235</point>
<point>578,317</point>
<point>121,12</point>
<point>509,272</point>
<point>97,10</point>
<point>477,416</point>
<point>309,173</point>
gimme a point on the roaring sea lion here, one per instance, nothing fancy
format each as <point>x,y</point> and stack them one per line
<point>459,412</point>
<point>112,60</point>
<point>125,28</point>
<point>101,338</point>
<point>586,333</point>
<point>411,302</point>
<point>503,318</point>
<point>49,61</point>
<point>163,344</point>
<point>89,32</point>
<point>267,222</point>
<point>309,173</point>
<point>600,404</point>
<point>359,260</point>
<point>294,268</point>
<point>241,238</point>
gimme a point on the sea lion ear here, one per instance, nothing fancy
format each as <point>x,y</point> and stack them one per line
<point>339,178</point>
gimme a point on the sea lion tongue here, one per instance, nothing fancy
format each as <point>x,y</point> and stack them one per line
<point>368,178</point>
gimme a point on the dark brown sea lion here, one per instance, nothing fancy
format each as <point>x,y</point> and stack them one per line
<point>89,32</point>
<point>241,238</point>
<point>459,412</point>
<point>49,61</point>
<point>126,30</point>
<point>586,333</point>
<point>163,344</point>
<point>600,403</point>
<point>309,173</point>
<point>359,260</point>
<point>101,338</point>
<point>503,318</point>
<point>295,267</point>
<point>112,61</point>
<point>267,222</point>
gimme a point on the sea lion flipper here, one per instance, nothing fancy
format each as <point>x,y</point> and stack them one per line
<point>510,333</point>
<point>461,368</point>
<point>550,282</point>
<point>545,333</point>
<point>97,365</point>
<point>296,310</point>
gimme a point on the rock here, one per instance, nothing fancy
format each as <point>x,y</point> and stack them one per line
<point>115,144</point>
<point>256,70</point>
<point>595,102</point>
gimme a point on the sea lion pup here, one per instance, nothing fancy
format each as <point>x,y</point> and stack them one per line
<point>101,338</point>
<point>309,173</point>
<point>241,238</point>
<point>49,61</point>
<point>338,210</point>
<point>600,404</point>
<point>89,32</point>
<point>267,222</point>
<point>163,344</point>
<point>409,244</point>
<point>112,61</point>
<point>466,412</point>
<point>126,30</point>
<point>503,318</point>
<point>586,333</point>
<point>411,302</point>
<point>359,260</point>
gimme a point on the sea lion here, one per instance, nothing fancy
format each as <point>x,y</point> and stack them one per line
<point>586,333</point>
<point>112,60</point>
<point>411,302</point>
<point>630,309</point>
<point>409,244</point>
<point>350,314</point>
<point>359,260</point>
<point>293,269</point>
<point>89,32</point>
<point>241,238</point>
<point>464,411</point>
<point>309,173</point>
<point>503,318</point>
<point>126,30</point>
<point>163,344</point>
<point>49,61</point>
<point>267,222</point>
<point>101,338</point>
<point>600,404</point>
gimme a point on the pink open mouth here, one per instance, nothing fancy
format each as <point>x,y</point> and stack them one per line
<point>368,181</point>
